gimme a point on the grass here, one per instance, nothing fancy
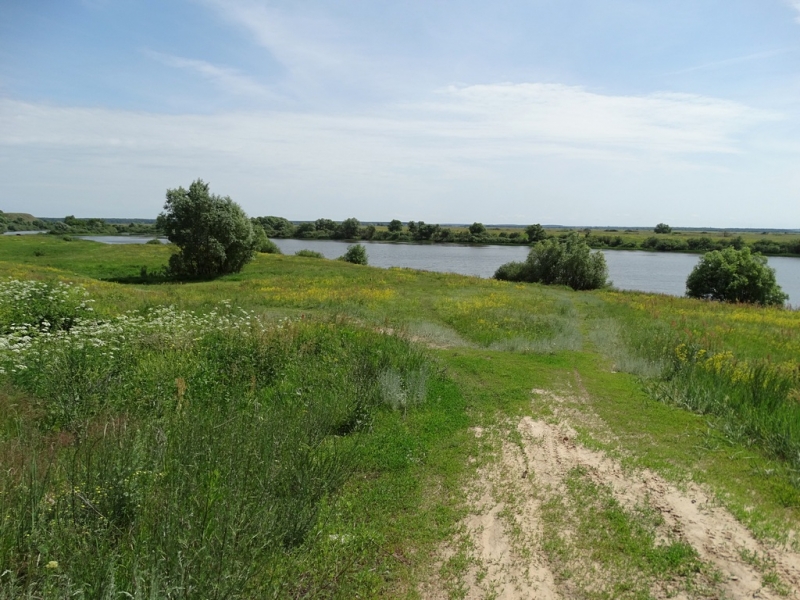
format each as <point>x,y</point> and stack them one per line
<point>279,433</point>
<point>603,550</point>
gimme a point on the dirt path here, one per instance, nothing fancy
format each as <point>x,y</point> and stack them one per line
<point>508,550</point>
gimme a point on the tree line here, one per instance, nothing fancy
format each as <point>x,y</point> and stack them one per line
<point>477,233</point>
<point>395,231</point>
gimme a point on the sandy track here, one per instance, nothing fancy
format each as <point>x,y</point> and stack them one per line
<point>503,535</point>
<point>691,514</point>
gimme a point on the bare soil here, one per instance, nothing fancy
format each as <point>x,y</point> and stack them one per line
<point>499,553</point>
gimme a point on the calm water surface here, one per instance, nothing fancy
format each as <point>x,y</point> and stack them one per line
<point>660,272</point>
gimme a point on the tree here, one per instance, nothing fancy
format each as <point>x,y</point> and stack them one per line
<point>355,254</point>
<point>662,228</point>
<point>424,231</point>
<point>395,225</point>
<point>305,230</point>
<point>477,228</point>
<point>214,234</point>
<point>535,233</point>
<point>568,261</point>
<point>325,225</point>
<point>348,229</point>
<point>732,275</point>
<point>276,227</point>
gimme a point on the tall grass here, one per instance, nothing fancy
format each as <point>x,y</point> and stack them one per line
<point>170,454</point>
<point>756,399</point>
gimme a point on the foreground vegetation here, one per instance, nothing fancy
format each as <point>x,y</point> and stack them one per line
<point>303,428</point>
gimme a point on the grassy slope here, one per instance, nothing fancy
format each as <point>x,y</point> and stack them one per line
<point>496,341</point>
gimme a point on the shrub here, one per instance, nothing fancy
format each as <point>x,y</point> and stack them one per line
<point>477,228</point>
<point>153,242</point>
<point>213,233</point>
<point>768,247</point>
<point>665,244</point>
<point>395,225</point>
<point>309,253</point>
<point>662,228</point>
<point>702,244</point>
<point>511,271</point>
<point>355,254</point>
<point>732,275</point>
<point>535,233</point>
<point>568,261</point>
<point>348,229</point>
<point>263,243</point>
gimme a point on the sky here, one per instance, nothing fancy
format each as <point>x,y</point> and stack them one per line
<point>574,112</point>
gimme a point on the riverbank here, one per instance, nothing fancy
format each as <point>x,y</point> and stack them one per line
<point>143,461</point>
<point>663,273</point>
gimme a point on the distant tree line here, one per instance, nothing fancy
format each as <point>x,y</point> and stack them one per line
<point>20,222</point>
<point>71,225</point>
<point>395,231</point>
<point>477,233</point>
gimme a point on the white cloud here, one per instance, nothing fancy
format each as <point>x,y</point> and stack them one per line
<point>795,4</point>
<point>227,79</point>
<point>430,158</point>
<point>494,121</point>
<point>305,44</point>
<point>526,116</point>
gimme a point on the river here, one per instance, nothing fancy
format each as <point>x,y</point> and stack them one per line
<point>660,272</point>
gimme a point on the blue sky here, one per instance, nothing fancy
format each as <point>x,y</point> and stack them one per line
<point>612,112</point>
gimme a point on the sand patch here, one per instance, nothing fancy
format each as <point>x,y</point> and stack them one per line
<point>500,542</point>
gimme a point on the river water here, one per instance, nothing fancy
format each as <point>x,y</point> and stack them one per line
<point>660,272</point>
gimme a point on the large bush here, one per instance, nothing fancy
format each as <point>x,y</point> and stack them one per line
<point>732,275</point>
<point>567,261</point>
<point>262,243</point>
<point>214,234</point>
<point>662,228</point>
<point>535,233</point>
<point>355,254</point>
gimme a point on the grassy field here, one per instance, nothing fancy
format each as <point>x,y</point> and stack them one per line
<point>307,428</point>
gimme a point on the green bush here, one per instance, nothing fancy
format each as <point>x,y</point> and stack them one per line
<point>213,233</point>
<point>511,271</point>
<point>263,243</point>
<point>309,253</point>
<point>566,261</point>
<point>535,233</point>
<point>355,254</point>
<point>665,244</point>
<point>732,275</point>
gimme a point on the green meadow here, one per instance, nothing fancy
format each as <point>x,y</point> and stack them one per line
<point>306,428</point>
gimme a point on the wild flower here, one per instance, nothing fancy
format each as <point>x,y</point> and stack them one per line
<point>25,344</point>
